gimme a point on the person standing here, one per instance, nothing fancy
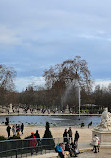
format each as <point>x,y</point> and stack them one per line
<point>22,128</point>
<point>33,143</point>
<point>16,128</point>
<point>8,130</point>
<point>37,135</point>
<point>76,138</point>
<point>96,143</point>
<point>13,130</point>
<point>70,134</point>
<point>65,136</point>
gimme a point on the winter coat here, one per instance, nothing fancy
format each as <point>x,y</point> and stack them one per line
<point>37,136</point>
<point>96,141</point>
<point>70,132</point>
<point>63,150</point>
<point>58,148</point>
<point>22,127</point>
<point>33,142</point>
<point>65,136</point>
<point>8,129</point>
<point>76,136</point>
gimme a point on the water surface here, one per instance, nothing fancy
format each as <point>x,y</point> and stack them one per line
<point>54,120</point>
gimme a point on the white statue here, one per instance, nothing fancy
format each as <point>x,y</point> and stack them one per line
<point>105,123</point>
<point>67,109</point>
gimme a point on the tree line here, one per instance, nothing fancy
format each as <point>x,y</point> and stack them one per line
<point>62,84</point>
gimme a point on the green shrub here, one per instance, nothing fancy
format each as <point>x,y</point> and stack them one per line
<point>14,137</point>
<point>48,143</point>
<point>28,137</point>
<point>2,138</point>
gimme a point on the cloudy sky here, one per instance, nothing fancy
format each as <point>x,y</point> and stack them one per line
<point>35,34</point>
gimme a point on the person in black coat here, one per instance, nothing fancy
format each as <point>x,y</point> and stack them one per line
<point>65,136</point>
<point>73,148</point>
<point>8,130</point>
<point>37,135</point>
<point>70,134</point>
<point>76,138</point>
<point>22,128</point>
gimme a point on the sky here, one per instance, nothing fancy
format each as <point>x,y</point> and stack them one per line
<point>37,34</point>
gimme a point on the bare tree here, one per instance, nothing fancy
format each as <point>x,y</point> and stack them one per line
<point>6,83</point>
<point>62,78</point>
<point>7,75</point>
<point>67,72</point>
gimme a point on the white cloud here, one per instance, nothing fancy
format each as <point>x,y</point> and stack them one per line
<point>22,82</point>
<point>99,35</point>
<point>102,83</point>
<point>9,36</point>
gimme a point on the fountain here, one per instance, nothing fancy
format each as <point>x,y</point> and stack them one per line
<point>103,130</point>
<point>64,98</point>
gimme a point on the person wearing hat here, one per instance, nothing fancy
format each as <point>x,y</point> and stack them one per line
<point>33,143</point>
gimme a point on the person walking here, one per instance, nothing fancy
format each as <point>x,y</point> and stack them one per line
<point>96,143</point>
<point>70,134</point>
<point>76,138</point>
<point>8,130</point>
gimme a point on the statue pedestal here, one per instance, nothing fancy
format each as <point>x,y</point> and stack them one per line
<point>105,138</point>
<point>10,108</point>
<point>67,110</point>
<point>103,130</point>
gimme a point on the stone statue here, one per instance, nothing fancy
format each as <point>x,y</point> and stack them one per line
<point>67,109</point>
<point>105,123</point>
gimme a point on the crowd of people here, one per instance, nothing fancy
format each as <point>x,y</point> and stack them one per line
<point>70,147</point>
<point>16,129</point>
<point>68,144</point>
<point>67,136</point>
<point>70,141</point>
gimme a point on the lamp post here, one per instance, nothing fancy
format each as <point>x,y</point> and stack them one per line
<point>79,97</point>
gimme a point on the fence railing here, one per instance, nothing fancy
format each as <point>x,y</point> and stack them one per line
<point>25,147</point>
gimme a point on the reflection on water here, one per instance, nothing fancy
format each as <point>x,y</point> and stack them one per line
<point>54,120</point>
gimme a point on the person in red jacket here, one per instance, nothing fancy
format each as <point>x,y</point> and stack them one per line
<point>33,143</point>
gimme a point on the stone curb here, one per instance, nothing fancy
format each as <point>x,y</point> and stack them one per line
<point>85,150</point>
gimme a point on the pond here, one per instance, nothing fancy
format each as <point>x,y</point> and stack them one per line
<point>66,120</point>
